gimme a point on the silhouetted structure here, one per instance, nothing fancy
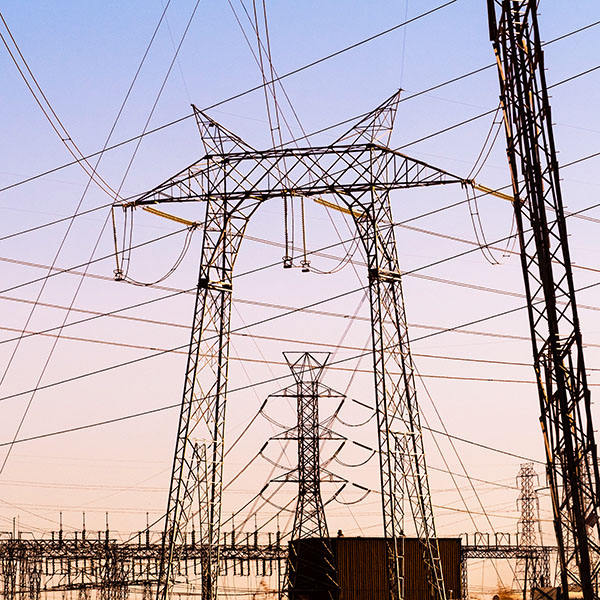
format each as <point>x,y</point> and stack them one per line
<point>564,395</point>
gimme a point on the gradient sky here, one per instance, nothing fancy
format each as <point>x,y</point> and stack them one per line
<point>84,56</point>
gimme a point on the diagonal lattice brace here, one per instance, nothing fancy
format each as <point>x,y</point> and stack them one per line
<point>217,140</point>
<point>309,172</point>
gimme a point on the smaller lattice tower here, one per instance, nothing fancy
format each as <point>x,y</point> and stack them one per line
<point>311,571</point>
<point>533,571</point>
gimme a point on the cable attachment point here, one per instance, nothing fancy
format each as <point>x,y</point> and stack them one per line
<point>287,262</point>
<point>119,275</point>
<point>305,264</point>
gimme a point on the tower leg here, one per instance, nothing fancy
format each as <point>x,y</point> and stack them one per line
<point>464,579</point>
<point>395,394</point>
<point>204,396</point>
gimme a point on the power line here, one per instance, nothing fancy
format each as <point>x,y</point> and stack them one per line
<point>239,94</point>
<point>93,176</point>
<point>234,390</point>
<point>314,252</point>
<point>487,112</point>
<point>143,358</point>
<point>280,363</point>
<point>253,89</point>
<point>574,77</point>
<point>239,333</point>
<point>288,309</point>
<point>588,71</point>
<point>55,222</point>
<point>72,270</point>
<point>460,439</point>
<point>60,271</point>
<point>293,311</point>
<point>317,252</point>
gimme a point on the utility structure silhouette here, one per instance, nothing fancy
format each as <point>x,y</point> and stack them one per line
<point>530,572</point>
<point>200,478</point>
<point>564,395</point>
<point>95,564</point>
<point>309,518</point>
<point>231,182</point>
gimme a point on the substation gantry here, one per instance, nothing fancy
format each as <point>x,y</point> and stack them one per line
<point>231,182</point>
<point>89,565</point>
<point>571,455</point>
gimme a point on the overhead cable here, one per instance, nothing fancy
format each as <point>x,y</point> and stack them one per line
<point>259,87</point>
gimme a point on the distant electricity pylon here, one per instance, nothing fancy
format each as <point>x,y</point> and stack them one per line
<point>309,519</point>
<point>534,571</point>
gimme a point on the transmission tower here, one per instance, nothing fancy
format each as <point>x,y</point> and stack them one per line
<point>307,369</point>
<point>309,519</point>
<point>571,456</point>
<point>230,183</point>
<point>530,572</point>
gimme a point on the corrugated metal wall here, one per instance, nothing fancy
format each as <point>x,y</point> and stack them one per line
<point>312,570</point>
<point>415,574</point>
<point>362,568</point>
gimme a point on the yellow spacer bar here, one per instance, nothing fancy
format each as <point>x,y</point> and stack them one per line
<point>160,213</point>
<point>343,209</point>
<point>487,190</point>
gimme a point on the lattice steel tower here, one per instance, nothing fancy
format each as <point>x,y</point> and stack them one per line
<point>564,395</point>
<point>317,559</point>
<point>535,571</point>
<point>231,182</point>
<point>307,369</point>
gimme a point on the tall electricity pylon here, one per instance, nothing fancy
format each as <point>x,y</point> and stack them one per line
<point>309,518</point>
<point>571,456</point>
<point>230,183</point>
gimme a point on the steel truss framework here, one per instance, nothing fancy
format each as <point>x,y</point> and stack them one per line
<point>571,455</point>
<point>309,518</point>
<point>538,555</point>
<point>529,573</point>
<point>231,181</point>
<point>103,568</point>
<point>31,568</point>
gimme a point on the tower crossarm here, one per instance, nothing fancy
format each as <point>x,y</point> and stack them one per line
<point>315,171</point>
